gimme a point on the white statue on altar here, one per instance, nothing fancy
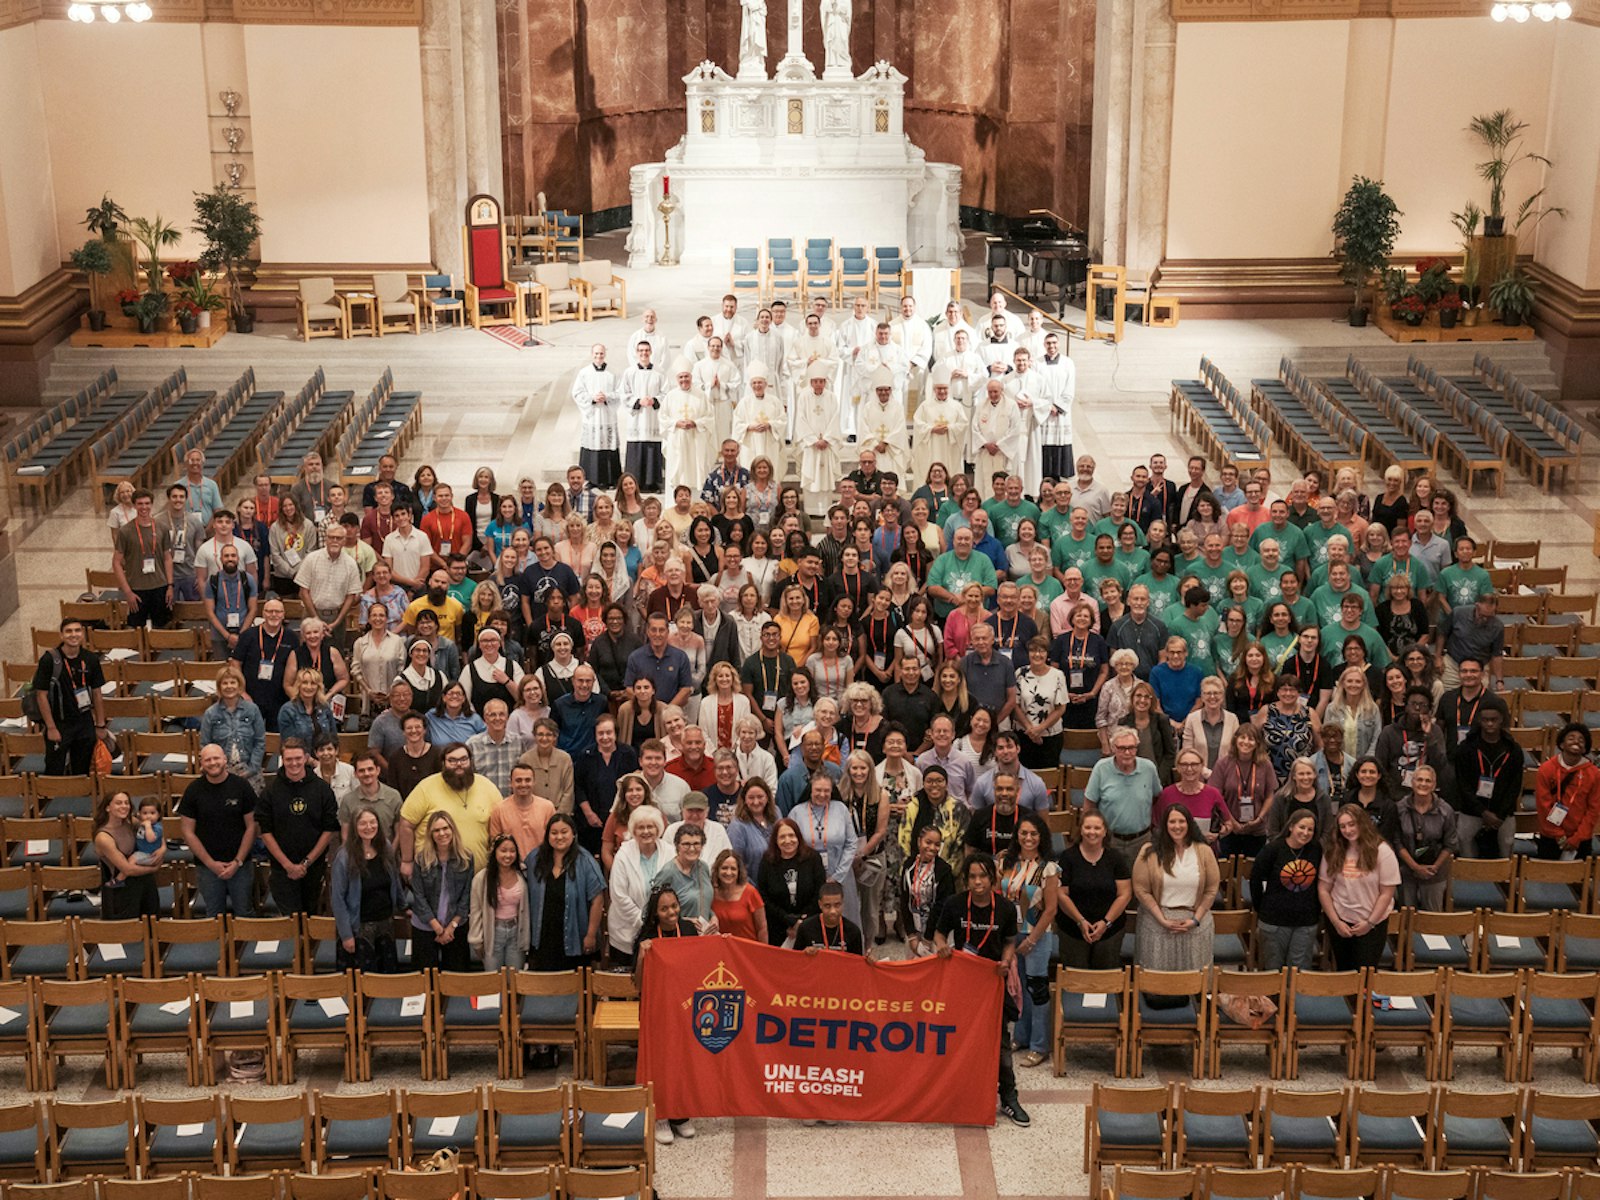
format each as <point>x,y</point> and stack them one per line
<point>753,39</point>
<point>836,38</point>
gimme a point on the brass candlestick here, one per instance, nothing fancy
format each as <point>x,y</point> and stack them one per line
<point>668,206</point>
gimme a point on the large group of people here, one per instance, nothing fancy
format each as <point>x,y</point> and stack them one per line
<point>597,716</point>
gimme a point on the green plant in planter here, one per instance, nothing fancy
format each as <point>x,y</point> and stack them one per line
<point>1502,134</point>
<point>1466,222</point>
<point>1433,279</point>
<point>154,235</point>
<point>149,309</point>
<point>1395,285</point>
<point>1512,297</point>
<point>1411,309</point>
<point>1364,232</point>
<point>200,292</point>
<point>1527,211</point>
<point>105,219</point>
<point>230,225</point>
<point>93,258</point>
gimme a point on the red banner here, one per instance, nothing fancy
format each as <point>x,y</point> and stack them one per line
<point>729,1028</point>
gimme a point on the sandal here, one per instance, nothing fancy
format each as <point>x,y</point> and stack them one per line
<point>1033,1058</point>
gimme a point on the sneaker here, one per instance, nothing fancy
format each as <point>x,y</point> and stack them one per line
<point>1013,1111</point>
<point>684,1129</point>
<point>663,1133</point>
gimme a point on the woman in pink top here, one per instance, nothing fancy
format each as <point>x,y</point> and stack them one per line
<point>1356,885</point>
<point>738,906</point>
<point>1204,802</point>
<point>497,928</point>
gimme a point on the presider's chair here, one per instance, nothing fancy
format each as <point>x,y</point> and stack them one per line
<point>484,249</point>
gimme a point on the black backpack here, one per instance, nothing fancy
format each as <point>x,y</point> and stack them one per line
<point>30,697</point>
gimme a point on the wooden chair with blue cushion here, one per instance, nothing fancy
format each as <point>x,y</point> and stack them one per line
<point>75,795</point>
<point>1578,942</point>
<point>93,1137</point>
<point>79,1019</point>
<point>1090,1009</point>
<point>547,1009</point>
<point>159,1016</point>
<point>1561,1010</point>
<point>854,276</point>
<point>421,1185</point>
<point>317,1012</point>
<point>620,1183</point>
<point>1517,941</point>
<point>1543,886</point>
<point>257,945</point>
<point>16,893</point>
<point>158,1187</point>
<point>888,271</point>
<point>1408,1184</point>
<point>472,1011</point>
<point>1305,1127</point>
<point>1478,1128</point>
<point>355,1131</point>
<point>1247,1183</point>
<point>1392,1126</point>
<point>529,1183</point>
<point>113,947</point>
<point>528,1126</point>
<point>180,1135</point>
<point>1561,1130</point>
<point>37,948</point>
<point>614,1127</point>
<point>820,274</point>
<point>1405,1012</point>
<point>1143,1183</point>
<point>34,841</point>
<point>1481,883</point>
<point>435,1121</point>
<point>1274,985</point>
<point>1180,1017</point>
<point>488,282</point>
<point>345,1185</point>
<point>24,1141</point>
<point>1127,1125</point>
<point>19,1034</point>
<point>1336,1183</point>
<point>439,295</point>
<point>565,233</point>
<point>395,1011</point>
<point>1233,940</point>
<point>237,1014</point>
<point>1217,1125</point>
<point>613,1018</point>
<point>1326,1008</point>
<point>1442,939</point>
<point>189,946</point>
<point>1482,1010</point>
<point>269,1134</point>
<point>17,796</point>
<point>68,893</point>
<point>319,944</point>
<point>24,753</point>
<point>1510,1184</point>
<point>745,276</point>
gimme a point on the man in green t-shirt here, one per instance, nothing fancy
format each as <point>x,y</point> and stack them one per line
<point>1350,624</point>
<point>1328,598</point>
<point>1238,556</point>
<point>1264,576</point>
<point>953,570</point>
<point>1055,523</point>
<point>1338,551</point>
<point>1006,512</point>
<point>1464,582</point>
<point>1196,623</point>
<point>1324,527</point>
<point>1291,542</point>
<point>1211,570</point>
<point>1075,546</point>
<point>1398,560</point>
<point>1104,565</point>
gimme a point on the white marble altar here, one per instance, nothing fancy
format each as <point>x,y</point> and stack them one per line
<point>796,156</point>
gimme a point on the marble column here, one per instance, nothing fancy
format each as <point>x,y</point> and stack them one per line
<point>1135,53</point>
<point>481,92</point>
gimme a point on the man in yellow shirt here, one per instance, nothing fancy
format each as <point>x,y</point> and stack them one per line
<point>467,798</point>
<point>437,600</point>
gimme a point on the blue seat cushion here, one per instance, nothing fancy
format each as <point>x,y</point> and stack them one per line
<point>1455,955</point>
<point>549,1010</point>
<point>253,962</point>
<point>596,1131</point>
<point>1129,1129</point>
<point>461,1012</point>
<point>198,958</point>
<point>1388,1133</point>
<point>308,1016</point>
<point>1472,894</point>
<point>271,1139</point>
<point>1184,1014</point>
<point>167,1143</point>
<point>1476,1135</point>
<point>366,1138</point>
<point>14,905</point>
<point>41,960</point>
<point>131,962</point>
<point>1228,948</point>
<point>385,1014</point>
<point>48,855</point>
<point>1074,1010</point>
<point>1216,1131</point>
<point>530,1130</point>
<point>1526,953</point>
<point>1551,1012</point>
<point>13,1024</point>
<point>1323,1012</point>
<point>104,1144</point>
<point>1538,896</point>
<point>1582,953</point>
<point>151,1019</point>
<point>1479,1012</point>
<point>1563,1137</point>
<point>80,1020</point>
<point>223,1019</point>
<point>18,1145</point>
<point>1419,1017</point>
<point>1304,1133</point>
<point>427,1142</point>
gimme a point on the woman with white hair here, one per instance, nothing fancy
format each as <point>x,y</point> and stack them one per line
<point>754,761</point>
<point>1116,697</point>
<point>491,675</point>
<point>635,865</point>
<point>317,652</point>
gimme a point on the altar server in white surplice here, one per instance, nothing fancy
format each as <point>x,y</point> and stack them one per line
<point>759,419</point>
<point>997,346</point>
<point>1055,429</point>
<point>1023,385</point>
<point>828,327</point>
<point>944,333</point>
<point>599,398</point>
<point>1033,338</point>
<point>718,378</point>
<point>911,334</point>
<point>883,352</point>
<point>855,334</point>
<point>732,329</point>
<point>997,308</point>
<point>767,344</point>
<point>940,431</point>
<point>642,385</point>
<point>647,332</point>
<point>882,424</point>
<point>994,441</point>
<point>696,346</point>
<point>813,350</point>
<point>817,440</point>
<point>966,371</point>
<point>689,442</point>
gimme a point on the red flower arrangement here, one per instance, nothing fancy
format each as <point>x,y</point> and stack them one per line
<point>1432,263</point>
<point>1410,306</point>
<point>1450,300</point>
<point>182,272</point>
<point>127,296</point>
<point>186,308</point>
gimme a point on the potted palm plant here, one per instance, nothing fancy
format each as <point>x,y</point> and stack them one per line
<point>230,226</point>
<point>154,235</point>
<point>93,258</point>
<point>1502,134</point>
<point>1364,232</point>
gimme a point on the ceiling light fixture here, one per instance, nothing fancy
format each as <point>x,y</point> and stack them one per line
<point>1519,11</point>
<point>111,11</point>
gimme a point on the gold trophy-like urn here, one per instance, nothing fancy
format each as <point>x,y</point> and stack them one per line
<point>669,205</point>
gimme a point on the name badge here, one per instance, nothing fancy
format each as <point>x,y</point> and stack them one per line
<point>879,660</point>
<point>232,621</point>
<point>1558,814</point>
<point>1247,810</point>
<point>1075,681</point>
<point>1461,734</point>
<point>264,672</point>
<point>292,557</point>
<point>444,547</point>
<point>1485,787</point>
<point>322,514</point>
<point>179,554</point>
<point>82,697</point>
<point>1406,777</point>
<point>769,702</point>
<point>149,566</point>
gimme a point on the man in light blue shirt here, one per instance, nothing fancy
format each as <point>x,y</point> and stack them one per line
<point>204,495</point>
<point>1123,789</point>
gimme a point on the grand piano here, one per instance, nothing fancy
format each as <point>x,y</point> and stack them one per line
<point>1043,252</point>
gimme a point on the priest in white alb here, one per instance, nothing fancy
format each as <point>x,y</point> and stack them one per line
<point>642,385</point>
<point>718,378</point>
<point>1033,336</point>
<point>759,420</point>
<point>731,328</point>
<point>997,308</point>
<point>911,334</point>
<point>1023,386</point>
<point>854,335</point>
<point>817,440</point>
<point>965,369</point>
<point>688,442</point>
<point>881,425</point>
<point>997,344</point>
<point>939,431</point>
<point>647,332</point>
<point>767,344</point>
<point>813,350</point>
<point>944,333</point>
<point>700,340</point>
<point>1060,378</point>
<point>994,440</point>
<point>827,326</point>
<point>882,352</point>
<point>599,399</point>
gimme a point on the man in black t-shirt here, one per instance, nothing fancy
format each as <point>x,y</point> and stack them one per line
<point>218,812</point>
<point>299,820</point>
<point>983,923</point>
<point>67,683</point>
<point>830,929</point>
<point>993,828</point>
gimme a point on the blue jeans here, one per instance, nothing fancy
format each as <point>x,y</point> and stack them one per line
<point>220,895</point>
<point>1286,945</point>
<point>504,948</point>
<point>1033,1026</point>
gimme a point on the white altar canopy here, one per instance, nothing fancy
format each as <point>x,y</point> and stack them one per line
<point>797,157</point>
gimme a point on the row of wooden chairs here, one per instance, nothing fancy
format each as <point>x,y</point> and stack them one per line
<point>546,1183</point>
<point>573,1126</point>
<point>1433,1010</point>
<point>1433,1128</point>
<point>1350,1183</point>
<point>118,1018</point>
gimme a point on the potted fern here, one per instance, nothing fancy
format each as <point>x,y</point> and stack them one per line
<point>93,258</point>
<point>1364,232</point>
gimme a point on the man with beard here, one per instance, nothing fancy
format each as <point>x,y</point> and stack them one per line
<point>440,603</point>
<point>230,598</point>
<point>1415,739</point>
<point>265,653</point>
<point>993,828</point>
<point>459,792</point>
<point>298,819</point>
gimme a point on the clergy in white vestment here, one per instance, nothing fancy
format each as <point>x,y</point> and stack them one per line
<point>599,399</point>
<point>883,352</point>
<point>1055,426</point>
<point>994,440</point>
<point>698,344</point>
<point>731,328</point>
<point>647,332</point>
<point>759,419</point>
<point>911,334</point>
<point>997,308</point>
<point>718,378</point>
<point>1023,386</point>
<point>940,431</point>
<point>1033,337</point>
<point>689,443</point>
<point>766,344</point>
<point>854,335</point>
<point>813,350</point>
<point>944,333</point>
<point>817,439</point>
<point>997,344</point>
<point>966,370</point>
<point>642,385</point>
<point>881,424</point>
<point>827,326</point>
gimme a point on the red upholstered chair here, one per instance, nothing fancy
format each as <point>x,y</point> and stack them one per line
<point>488,273</point>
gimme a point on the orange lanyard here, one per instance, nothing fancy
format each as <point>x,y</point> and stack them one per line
<point>993,921</point>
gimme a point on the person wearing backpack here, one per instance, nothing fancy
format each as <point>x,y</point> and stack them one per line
<point>66,689</point>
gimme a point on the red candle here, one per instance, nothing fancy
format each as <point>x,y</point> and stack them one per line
<point>666,185</point>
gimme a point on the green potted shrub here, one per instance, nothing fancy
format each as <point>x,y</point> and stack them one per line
<point>1364,233</point>
<point>105,219</point>
<point>1512,297</point>
<point>1433,279</point>
<point>148,310</point>
<point>230,226</point>
<point>188,314</point>
<point>93,258</point>
<point>1501,133</point>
